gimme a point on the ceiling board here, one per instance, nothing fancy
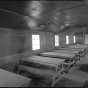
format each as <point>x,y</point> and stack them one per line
<point>54,13</point>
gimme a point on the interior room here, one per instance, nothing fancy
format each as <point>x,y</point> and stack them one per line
<point>44,43</point>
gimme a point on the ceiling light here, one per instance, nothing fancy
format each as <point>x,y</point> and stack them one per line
<point>67,24</point>
<point>62,27</point>
<point>32,23</point>
<point>35,9</point>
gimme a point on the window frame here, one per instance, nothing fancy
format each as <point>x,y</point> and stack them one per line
<point>74,39</point>
<point>37,43</point>
<point>67,39</point>
<point>56,40</point>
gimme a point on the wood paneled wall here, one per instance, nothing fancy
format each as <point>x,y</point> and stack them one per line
<point>11,46</point>
<point>11,42</point>
<point>62,39</point>
<point>80,38</point>
<point>86,39</point>
<point>46,40</point>
<point>77,31</point>
<point>28,43</point>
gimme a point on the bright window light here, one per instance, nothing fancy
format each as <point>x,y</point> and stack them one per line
<point>74,39</point>
<point>56,40</point>
<point>35,42</point>
<point>67,39</point>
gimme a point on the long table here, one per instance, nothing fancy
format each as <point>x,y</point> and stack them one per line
<point>44,61</point>
<point>80,46</point>
<point>9,79</point>
<point>69,57</point>
<point>58,55</point>
<point>49,74</point>
<point>75,49</point>
<point>67,51</point>
<point>80,50</point>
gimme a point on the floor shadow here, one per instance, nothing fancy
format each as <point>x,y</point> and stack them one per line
<point>64,82</point>
<point>83,67</point>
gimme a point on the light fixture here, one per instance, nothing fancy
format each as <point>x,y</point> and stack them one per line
<point>62,27</point>
<point>35,9</point>
<point>67,24</point>
<point>32,23</point>
<point>67,21</point>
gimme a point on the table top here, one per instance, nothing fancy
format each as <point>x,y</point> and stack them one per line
<point>67,51</point>
<point>57,54</point>
<point>41,72</point>
<point>9,79</point>
<point>78,46</point>
<point>44,60</point>
<point>74,49</point>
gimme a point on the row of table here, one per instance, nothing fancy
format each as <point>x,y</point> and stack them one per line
<point>52,65</point>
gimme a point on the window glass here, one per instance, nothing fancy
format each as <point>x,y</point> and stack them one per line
<point>56,40</point>
<point>74,39</point>
<point>35,42</point>
<point>67,39</point>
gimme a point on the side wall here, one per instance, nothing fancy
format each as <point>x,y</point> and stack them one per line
<point>11,46</point>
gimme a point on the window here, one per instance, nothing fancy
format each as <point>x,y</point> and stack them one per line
<point>67,39</point>
<point>56,40</point>
<point>35,42</point>
<point>74,39</point>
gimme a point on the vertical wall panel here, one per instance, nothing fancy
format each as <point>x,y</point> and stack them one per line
<point>52,40</point>
<point>4,43</point>
<point>80,38</point>
<point>71,39</point>
<point>28,43</point>
<point>10,43</point>
<point>86,39</point>
<point>42,41</point>
<point>62,39</point>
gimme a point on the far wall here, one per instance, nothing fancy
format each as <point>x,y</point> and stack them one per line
<point>46,41</point>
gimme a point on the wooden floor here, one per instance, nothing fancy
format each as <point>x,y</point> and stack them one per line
<point>76,77</point>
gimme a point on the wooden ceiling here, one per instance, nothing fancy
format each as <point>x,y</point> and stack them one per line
<point>56,15</point>
<point>66,14</point>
